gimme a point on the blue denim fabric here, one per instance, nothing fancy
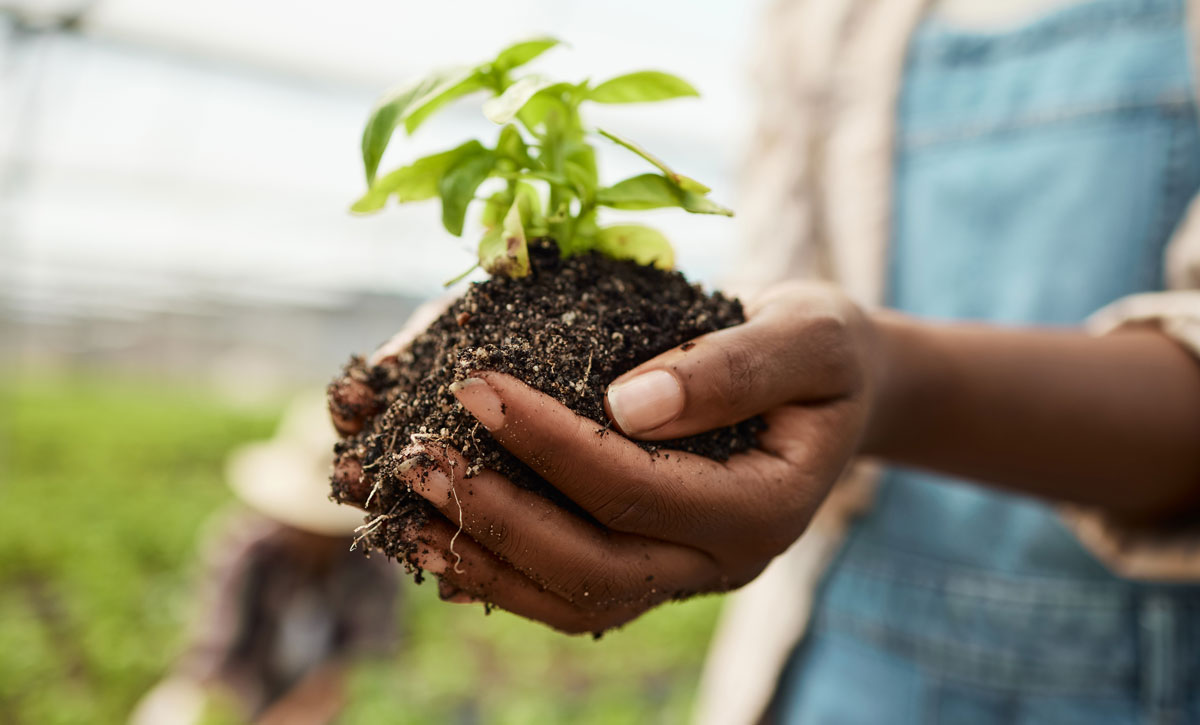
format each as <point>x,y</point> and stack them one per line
<point>1039,175</point>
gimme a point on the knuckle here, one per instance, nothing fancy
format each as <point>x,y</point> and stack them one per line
<point>564,472</point>
<point>598,583</point>
<point>501,538</point>
<point>640,508</point>
<point>830,337</point>
<point>741,370</point>
<point>585,586</point>
<point>830,350</point>
<point>827,330</point>
<point>549,456</point>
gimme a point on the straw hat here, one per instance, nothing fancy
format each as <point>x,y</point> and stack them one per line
<point>286,478</point>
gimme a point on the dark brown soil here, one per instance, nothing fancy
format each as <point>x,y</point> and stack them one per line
<point>569,329</point>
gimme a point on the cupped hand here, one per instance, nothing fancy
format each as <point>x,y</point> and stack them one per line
<point>665,524</point>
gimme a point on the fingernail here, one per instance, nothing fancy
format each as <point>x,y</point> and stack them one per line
<point>428,481</point>
<point>461,598</point>
<point>430,560</point>
<point>481,401</point>
<point>645,402</point>
<point>416,457</point>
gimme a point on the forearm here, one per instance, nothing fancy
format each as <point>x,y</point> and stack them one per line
<point>1110,421</point>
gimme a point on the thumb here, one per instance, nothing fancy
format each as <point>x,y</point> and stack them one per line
<point>798,347</point>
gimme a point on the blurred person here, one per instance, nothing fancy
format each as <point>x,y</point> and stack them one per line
<point>286,604</point>
<point>973,263</point>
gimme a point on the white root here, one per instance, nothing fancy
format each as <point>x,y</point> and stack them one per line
<point>457,556</point>
<point>369,528</point>
<point>454,493</point>
<point>374,490</point>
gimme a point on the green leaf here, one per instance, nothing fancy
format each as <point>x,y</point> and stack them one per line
<point>633,241</point>
<point>527,200</point>
<point>427,108</point>
<point>580,178</point>
<point>647,191</point>
<point>684,182</point>
<point>700,204</point>
<point>651,191</point>
<point>503,250</point>
<point>457,186</point>
<point>586,226</point>
<point>401,104</point>
<point>551,106</point>
<point>580,169</point>
<point>504,107</point>
<point>519,54</point>
<point>643,86</point>
<point>537,110</point>
<point>416,182</point>
<point>494,208</point>
<point>547,176</point>
<point>530,204</point>
<point>372,201</point>
<point>512,146</point>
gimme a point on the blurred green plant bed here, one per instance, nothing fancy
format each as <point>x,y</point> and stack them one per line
<point>105,486</point>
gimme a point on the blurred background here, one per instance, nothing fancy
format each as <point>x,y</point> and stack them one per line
<point>177,261</point>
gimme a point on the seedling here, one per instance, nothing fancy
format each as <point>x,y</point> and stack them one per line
<point>542,160</point>
<point>571,304</point>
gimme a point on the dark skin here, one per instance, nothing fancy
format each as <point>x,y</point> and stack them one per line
<point>1108,422</point>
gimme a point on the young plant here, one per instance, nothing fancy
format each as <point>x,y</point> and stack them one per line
<point>548,183</point>
<point>571,326</point>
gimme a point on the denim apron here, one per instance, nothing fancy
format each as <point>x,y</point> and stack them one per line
<point>1039,174</point>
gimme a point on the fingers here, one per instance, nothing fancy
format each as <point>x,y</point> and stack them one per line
<point>350,484</point>
<point>668,495</point>
<point>351,402</point>
<point>464,567</point>
<point>813,444</point>
<point>798,346</point>
<point>571,557</point>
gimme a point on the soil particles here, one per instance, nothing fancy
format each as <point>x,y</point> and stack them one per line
<point>568,329</point>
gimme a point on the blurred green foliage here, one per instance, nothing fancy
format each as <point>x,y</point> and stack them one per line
<point>105,486</point>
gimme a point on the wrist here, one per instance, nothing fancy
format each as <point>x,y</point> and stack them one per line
<point>900,381</point>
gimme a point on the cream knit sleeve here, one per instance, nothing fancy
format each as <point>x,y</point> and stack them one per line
<point>1140,554</point>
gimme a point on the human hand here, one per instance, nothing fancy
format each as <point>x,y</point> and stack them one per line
<point>659,525</point>
<point>351,402</point>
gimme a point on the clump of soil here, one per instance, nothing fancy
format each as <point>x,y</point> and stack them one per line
<point>568,329</point>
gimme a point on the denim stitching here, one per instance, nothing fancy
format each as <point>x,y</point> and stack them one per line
<point>1091,21</point>
<point>1178,188</point>
<point>1170,102</point>
<point>1167,215</point>
<point>982,584</point>
<point>1159,671</point>
<point>998,593</point>
<point>1013,671</point>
